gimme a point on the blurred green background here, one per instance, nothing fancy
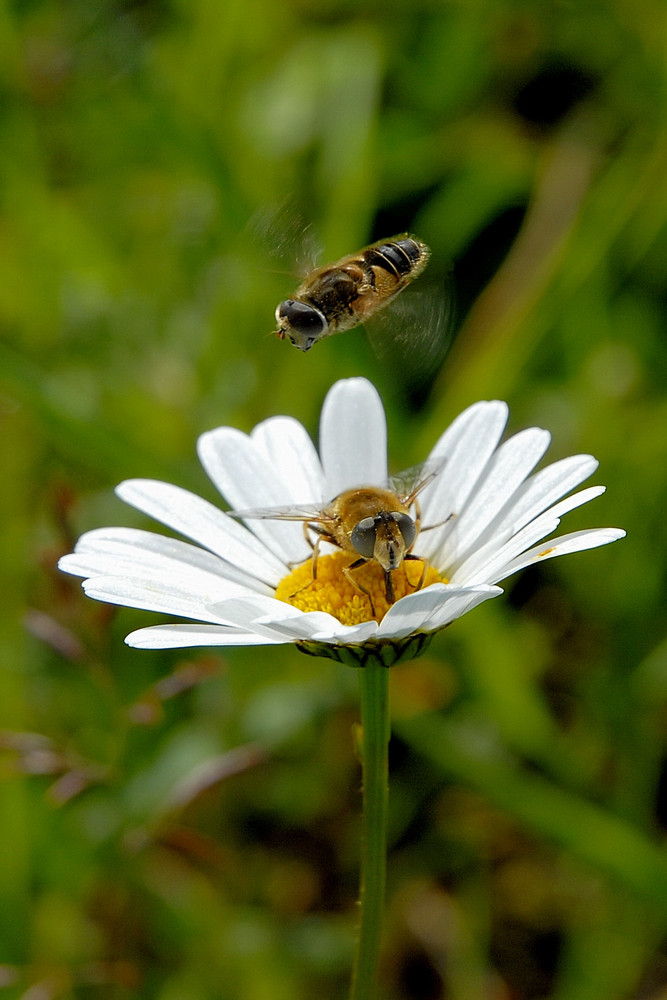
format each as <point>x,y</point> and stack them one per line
<point>185,825</point>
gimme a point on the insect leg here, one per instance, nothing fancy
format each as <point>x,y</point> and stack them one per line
<point>439,524</point>
<point>424,563</point>
<point>348,575</point>
<point>315,546</point>
<point>408,555</point>
<point>297,562</point>
<point>316,549</point>
<point>418,522</point>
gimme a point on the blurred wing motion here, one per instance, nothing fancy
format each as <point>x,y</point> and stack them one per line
<point>412,338</point>
<point>340,296</point>
<point>282,231</point>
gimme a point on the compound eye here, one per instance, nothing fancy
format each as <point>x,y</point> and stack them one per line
<point>303,318</point>
<point>363,537</point>
<point>407,528</point>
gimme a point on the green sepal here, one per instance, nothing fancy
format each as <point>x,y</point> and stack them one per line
<point>386,653</point>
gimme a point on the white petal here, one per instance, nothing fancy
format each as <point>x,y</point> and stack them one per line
<point>131,552</point>
<point>286,445</point>
<point>432,608</point>
<point>486,562</point>
<point>266,616</point>
<point>246,478</point>
<point>460,604</point>
<point>576,541</point>
<point>512,462</point>
<point>464,448</point>
<point>170,597</point>
<point>180,636</point>
<point>485,565</point>
<point>353,437</point>
<point>271,617</point>
<point>200,520</point>
<point>547,486</point>
<point>348,635</point>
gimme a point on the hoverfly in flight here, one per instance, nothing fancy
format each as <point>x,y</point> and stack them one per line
<point>341,295</point>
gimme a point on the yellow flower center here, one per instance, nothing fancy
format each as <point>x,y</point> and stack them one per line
<point>332,591</point>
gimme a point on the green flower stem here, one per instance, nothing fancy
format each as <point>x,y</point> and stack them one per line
<point>375,765</point>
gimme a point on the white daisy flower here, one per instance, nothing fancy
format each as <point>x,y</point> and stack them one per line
<point>249,581</point>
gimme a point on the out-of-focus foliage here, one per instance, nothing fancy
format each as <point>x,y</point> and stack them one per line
<point>186,825</point>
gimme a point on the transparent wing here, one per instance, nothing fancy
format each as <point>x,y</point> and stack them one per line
<point>409,483</point>
<point>293,512</point>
